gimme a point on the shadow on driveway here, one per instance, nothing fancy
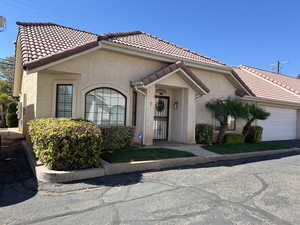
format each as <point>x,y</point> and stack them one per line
<point>17,181</point>
<point>136,177</point>
<point>114,180</point>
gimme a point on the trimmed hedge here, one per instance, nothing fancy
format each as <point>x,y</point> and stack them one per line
<point>204,133</point>
<point>11,115</point>
<point>233,138</point>
<point>254,135</point>
<point>66,144</point>
<point>117,137</point>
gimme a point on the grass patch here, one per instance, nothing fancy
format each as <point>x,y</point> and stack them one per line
<point>143,154</point>
<point>245,147</point>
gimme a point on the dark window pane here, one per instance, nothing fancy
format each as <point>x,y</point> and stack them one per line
<point>134,106</point>
<point>105,106</point>
<point>64,97</point>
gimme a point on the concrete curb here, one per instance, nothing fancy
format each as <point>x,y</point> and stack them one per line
<point>46,175</point>
<point>53,176</point>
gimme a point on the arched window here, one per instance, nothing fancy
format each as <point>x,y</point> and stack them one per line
<point>105,107</point>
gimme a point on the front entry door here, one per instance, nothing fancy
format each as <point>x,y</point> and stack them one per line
<point>161,118</point>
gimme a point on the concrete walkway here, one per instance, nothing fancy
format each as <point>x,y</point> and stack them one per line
<point>195,149</point>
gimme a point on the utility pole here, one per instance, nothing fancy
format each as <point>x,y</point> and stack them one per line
<point>278,65</point>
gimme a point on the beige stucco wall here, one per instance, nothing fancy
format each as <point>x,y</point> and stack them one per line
<point>28,97</point>
<point>97,69</point>
<point>220,86</point>
<point>104,68</point>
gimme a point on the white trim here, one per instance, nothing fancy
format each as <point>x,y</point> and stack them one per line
<point>173,72</point>
<point>63,60</point>
<point>271,101</point>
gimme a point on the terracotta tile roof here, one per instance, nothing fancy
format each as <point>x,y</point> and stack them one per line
<point>265,88</point>
<point>290,83</point>
<point>170,68</point>
<point>154,44</point>
<point>42,43</point>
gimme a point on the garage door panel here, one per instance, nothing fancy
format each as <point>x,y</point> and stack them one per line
<point>281,125</point>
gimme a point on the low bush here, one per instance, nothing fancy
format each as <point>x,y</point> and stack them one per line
<point>254,135</point>
<point>233,138</point>
<point>66,144</point>
<point>204,133</point>
<point>11,115</point>
<point>117,137</point>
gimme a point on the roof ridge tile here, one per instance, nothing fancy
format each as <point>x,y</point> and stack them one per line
<point>170,68</point>
<point>40,40</point>
<point>106,36</point>
<point>273,80</point>
<point>51,24</point>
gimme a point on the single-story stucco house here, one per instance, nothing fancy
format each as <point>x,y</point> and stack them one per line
<point>136,79</point>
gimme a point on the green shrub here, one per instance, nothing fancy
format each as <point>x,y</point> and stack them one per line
<point>233,138</point>
<point>66,144</point>
<point>204,134</point>
<point>254,135</point>
<point>117,137</point>
<point>11,115</point>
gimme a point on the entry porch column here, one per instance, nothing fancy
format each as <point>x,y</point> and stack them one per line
<point>189,121</point>
<point>149,115</point>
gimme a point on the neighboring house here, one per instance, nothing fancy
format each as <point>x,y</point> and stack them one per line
<point>136,79</point>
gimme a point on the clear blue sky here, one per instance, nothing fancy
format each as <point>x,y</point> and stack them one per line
<point>253,32</point>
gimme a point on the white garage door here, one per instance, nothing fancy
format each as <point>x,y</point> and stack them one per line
<point>281,125</point>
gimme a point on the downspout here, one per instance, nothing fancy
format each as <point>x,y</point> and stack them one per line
<point>135,85</point>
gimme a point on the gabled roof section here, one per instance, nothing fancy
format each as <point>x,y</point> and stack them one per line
<point>157,45</point>
<point>266,88</point>
<point>291,84</point>
<point>159,74</point>
<point>43,43</point>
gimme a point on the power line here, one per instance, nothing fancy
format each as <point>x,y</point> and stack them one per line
<point>278,66</point>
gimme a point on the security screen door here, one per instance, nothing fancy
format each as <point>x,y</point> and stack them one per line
<point>161,118</point>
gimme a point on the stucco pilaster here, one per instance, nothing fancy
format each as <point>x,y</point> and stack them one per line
<point>149,115</point>
<point>190,116</point>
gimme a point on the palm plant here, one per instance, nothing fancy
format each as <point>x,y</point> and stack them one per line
<point>222,109</point>
<point>254,112</point>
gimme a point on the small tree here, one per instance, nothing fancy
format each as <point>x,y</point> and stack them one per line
<point>7,68</point>
<point>254,112</point>
<point>11,115</point>
<point>5,99</point>
<point>222,109</point>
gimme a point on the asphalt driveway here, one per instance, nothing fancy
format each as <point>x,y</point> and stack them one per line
<point>258,191</point>
<point>17,181</point>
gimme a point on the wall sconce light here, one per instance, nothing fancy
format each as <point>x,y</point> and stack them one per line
<point>175,105</point>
